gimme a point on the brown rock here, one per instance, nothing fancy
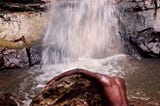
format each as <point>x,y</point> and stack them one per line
<point>74,90</point>
<point>80,87</point>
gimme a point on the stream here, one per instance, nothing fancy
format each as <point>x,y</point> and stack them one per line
<point>84,34</point>
<point>141,76</point>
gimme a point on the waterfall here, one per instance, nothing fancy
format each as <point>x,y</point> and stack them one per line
<point>80,29</point>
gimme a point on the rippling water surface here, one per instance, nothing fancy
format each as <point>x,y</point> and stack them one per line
<point>83,34</point>
<point>142,76</point>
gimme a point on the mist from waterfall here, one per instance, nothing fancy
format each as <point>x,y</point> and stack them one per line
<point>80,29</point>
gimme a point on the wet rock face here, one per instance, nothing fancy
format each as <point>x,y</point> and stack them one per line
<point>22,22</point>
<point>15,25</point>
<point>13,58</point>
<point>147,42</point>
<point>35,53</point>
<point>18,58</point>
<point>74,90</point>
<point>135,16</point>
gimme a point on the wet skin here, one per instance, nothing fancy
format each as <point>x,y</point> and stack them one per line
<point>114,88</point>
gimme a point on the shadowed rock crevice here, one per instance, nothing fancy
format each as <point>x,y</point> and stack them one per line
<point>147,42</point>
<point>135,17</point>
<point>22,5</point>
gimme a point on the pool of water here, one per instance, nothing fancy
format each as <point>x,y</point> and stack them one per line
<point>144,81</point>
<point>142,76</point>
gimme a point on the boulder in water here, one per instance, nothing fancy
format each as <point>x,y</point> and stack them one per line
<point>80,87</point>
<point>147,42</point>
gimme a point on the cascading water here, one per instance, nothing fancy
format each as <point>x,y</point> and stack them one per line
<point>80,29</point>
<point>82,34</point>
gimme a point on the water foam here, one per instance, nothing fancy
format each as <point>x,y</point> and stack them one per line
<point>80,29</point>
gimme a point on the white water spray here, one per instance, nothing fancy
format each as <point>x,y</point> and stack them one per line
<point>80,29</point>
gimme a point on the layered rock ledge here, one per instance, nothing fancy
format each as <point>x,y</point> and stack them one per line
<point>21,18</point>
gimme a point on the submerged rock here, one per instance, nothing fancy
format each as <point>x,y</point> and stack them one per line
<point>82,88</point>
<point>147,42</point>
